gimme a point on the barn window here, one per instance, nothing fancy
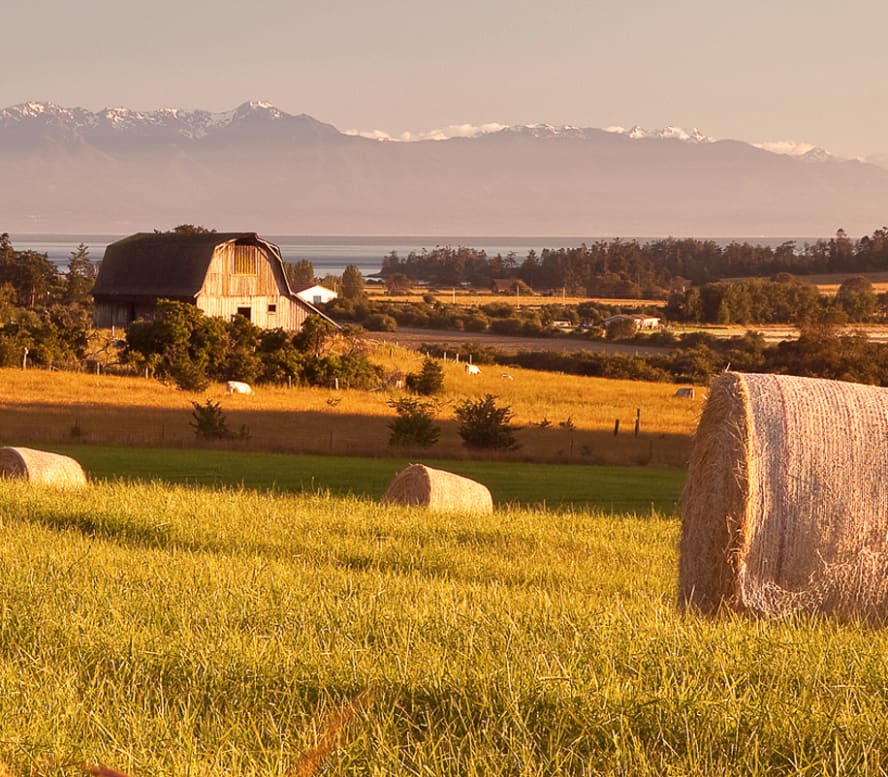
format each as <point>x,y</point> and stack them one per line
<point>244,260</point>
<point>272,307</point>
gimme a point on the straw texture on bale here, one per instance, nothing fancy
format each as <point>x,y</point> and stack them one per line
<point>786,504</point>
<point>41,467</point>
<point>438,490</point>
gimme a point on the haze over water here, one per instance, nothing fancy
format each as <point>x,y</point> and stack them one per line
<point>332,254</point>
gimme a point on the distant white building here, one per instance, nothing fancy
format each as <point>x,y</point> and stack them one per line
<point>316,295</point>
<point>641,321</point>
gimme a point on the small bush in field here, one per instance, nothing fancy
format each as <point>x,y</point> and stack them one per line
<point>429,380</point>
<point>210,422</point>
<point>483,425</point>
<point>414,424</point>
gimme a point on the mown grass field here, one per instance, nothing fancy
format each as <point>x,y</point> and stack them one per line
<point>170,630</point>
<point>553,486</point>
<point>562,418</point>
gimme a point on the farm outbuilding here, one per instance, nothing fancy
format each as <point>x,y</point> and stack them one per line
<point>641,321</point>
<point>317,294</point>
<point>223,273</point>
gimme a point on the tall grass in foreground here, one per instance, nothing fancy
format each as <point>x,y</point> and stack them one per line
<point>174,631</point>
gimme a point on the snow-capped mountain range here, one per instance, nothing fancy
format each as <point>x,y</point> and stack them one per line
<point>198,124</point>
<point>188,124</point>
<point>257,167</point>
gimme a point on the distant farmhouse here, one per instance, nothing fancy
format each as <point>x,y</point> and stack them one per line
<point>222,273</point>
<point>641,321</point>
<point>316,295</point>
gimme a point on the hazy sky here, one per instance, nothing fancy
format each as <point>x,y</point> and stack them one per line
<point>758,70</point>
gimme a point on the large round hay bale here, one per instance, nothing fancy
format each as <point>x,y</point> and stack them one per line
<point>438,490</point>
<point>786,503</point>
<point>41,467</point>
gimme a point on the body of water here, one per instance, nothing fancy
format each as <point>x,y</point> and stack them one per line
<point>331,255</point>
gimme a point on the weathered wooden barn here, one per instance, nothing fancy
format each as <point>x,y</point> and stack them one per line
<point>222,273</point>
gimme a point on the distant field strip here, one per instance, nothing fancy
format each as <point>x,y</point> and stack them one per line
<point>474,298</point>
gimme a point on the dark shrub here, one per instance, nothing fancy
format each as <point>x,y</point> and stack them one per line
<point>414,424</point>
<point>483,425</point>
<point>429,380</point>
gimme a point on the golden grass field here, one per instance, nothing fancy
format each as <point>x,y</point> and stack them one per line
<point>469,297</point>
<point>43,406</point>
<point>776,333</point>
<point>827,283</point>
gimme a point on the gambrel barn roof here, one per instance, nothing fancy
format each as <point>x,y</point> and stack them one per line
<point>167,264</point>
<point>222,273</point>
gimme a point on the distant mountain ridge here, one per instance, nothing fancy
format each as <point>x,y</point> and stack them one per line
<point>163,124</point>
<point>257,167</point>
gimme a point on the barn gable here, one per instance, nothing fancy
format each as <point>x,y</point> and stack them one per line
<point>222,273</point>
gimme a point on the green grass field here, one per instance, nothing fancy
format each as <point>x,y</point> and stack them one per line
<point>608,489</point>
<point>172,630</point>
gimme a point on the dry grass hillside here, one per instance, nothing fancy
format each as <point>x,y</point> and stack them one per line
<point>562,418</point>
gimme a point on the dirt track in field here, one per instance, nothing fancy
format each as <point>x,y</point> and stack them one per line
<point>415,338</point>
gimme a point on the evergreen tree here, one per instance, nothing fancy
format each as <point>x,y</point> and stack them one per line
<point>81,276</point>
<point>300,274</point>
<point>430,380</point>
<point>352,283</point>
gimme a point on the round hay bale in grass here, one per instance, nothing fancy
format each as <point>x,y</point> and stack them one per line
<point>786,503</point>
<point>438,490</point>
<point>41,467</point>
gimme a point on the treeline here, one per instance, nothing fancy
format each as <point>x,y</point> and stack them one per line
<point>497,317</point>
<point>780,301</point>
<point>45,314</point>
<point>820,352</point>
<point>633,269</point>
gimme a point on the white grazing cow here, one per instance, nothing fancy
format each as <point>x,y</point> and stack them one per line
<point>505,375</point>
<point>471,369</point>
<point>237,387</point>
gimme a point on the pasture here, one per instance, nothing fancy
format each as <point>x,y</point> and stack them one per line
<point>562,418</point>
<point>776,333</point>
<point>477,297</point>
<point>554,486</point>
<point>171,630</point>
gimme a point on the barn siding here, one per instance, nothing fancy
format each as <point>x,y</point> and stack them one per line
<point>223,291</point>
